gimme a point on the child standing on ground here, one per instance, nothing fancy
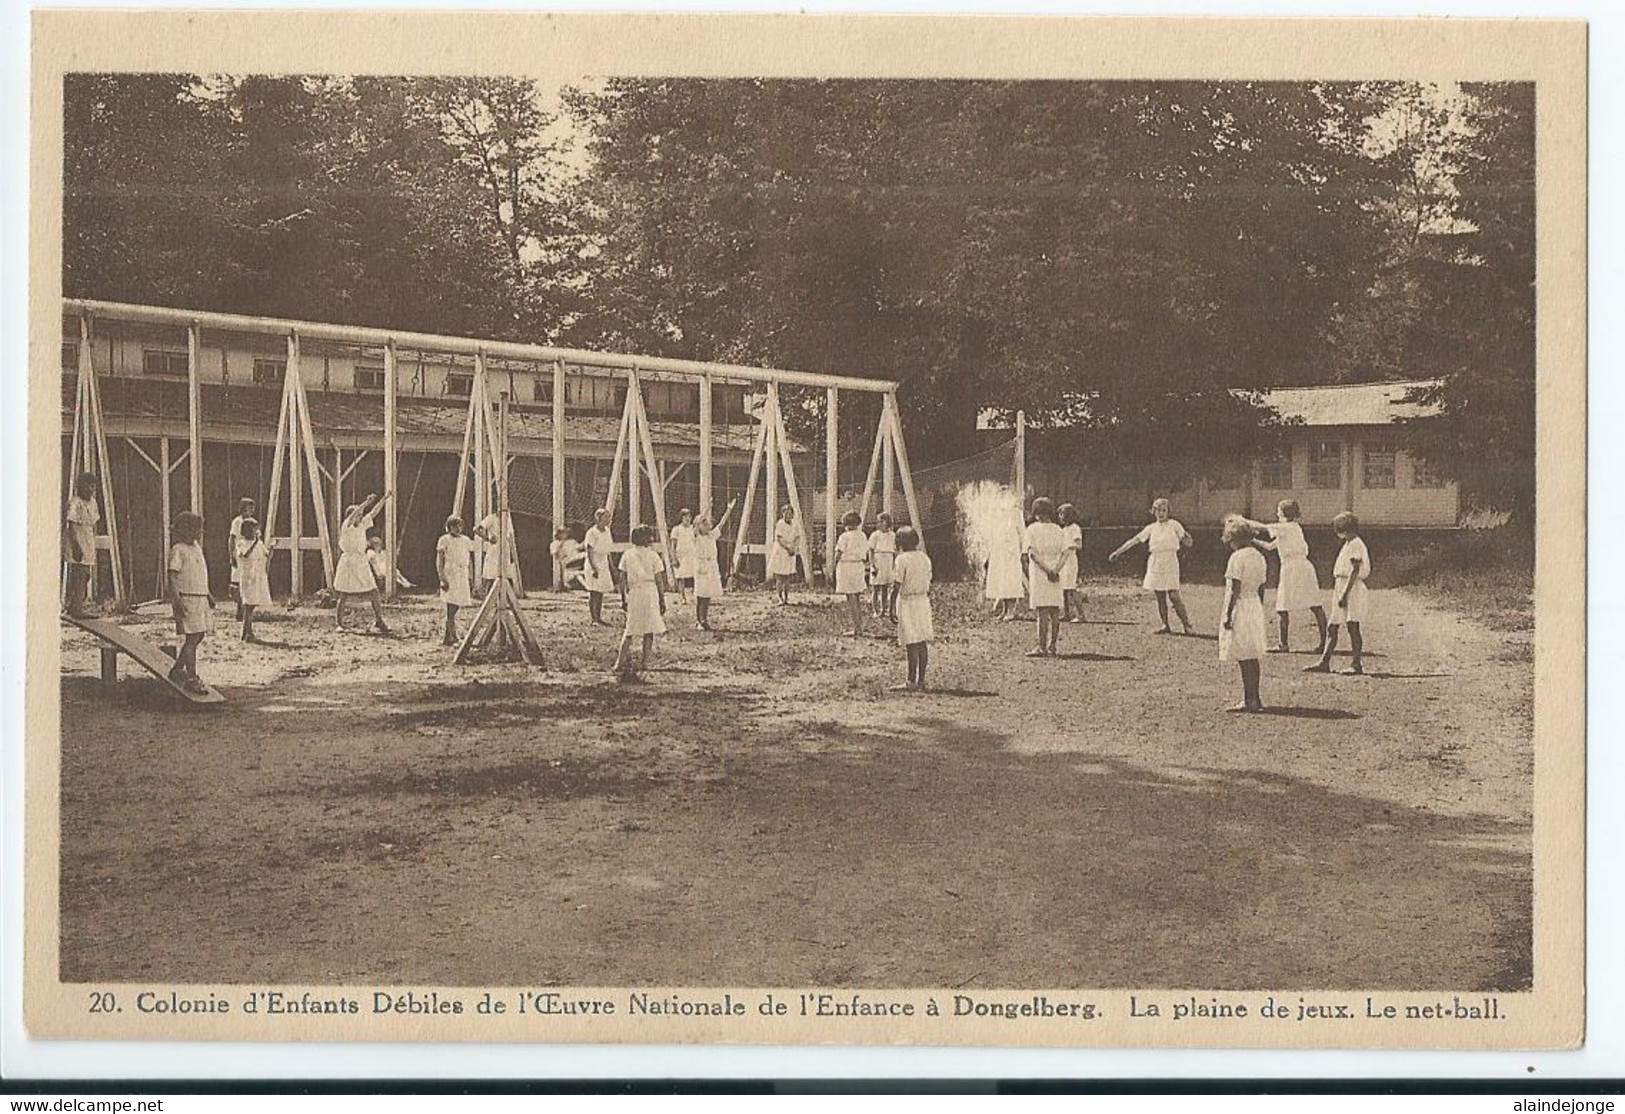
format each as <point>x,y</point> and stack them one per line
<point>454,567</point>
<point>79,541</point>
<point>353,576</point>
<point>252,561</point>
<point>1046,550</point>
<point>1164,538</point>
<point>781,563</point>
<point>852,551</point>
<point>914,629</point>
<point>378,562</point>
<point>1349,595</point>
<point>189,598</point>
<point>1241,631</point>
<point>1299,588</point>
<point>245,510</point>
<point>682,552</point>
<point>1071,598</point>
<point>707,567</point>
<point>600,572</point>
<point>643,571</point>
<point>882,558</point>
<point>1005,583</point>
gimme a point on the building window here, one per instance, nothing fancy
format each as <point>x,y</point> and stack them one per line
<point>1378,467</point>
<point>460,383</point>
<point>1275,471</point>
<point>1425,474</point>
<point>1325,465</point>
<point>164,361</point>
<point>70,355</point>
<point>369,378</point>
<point>270,373</point>
<point>542,389</point>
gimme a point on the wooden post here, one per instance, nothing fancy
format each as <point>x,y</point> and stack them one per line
<point>770,414</point>
<point>296,488</point>
<point>558,463</point>
<point>194,412</point>
<point>634,493</point>
<point>391,466</point>
<point>887,457</point>
<point>462,467</point>
<point>874,463</point>
<point>792,492</point>
<point>832,476</point>
<point>906,472</point>
<point>164,513</point>
<point>655,487</point>
<point>705,447</point>
<point>750,496</point>
<point>1021,455</point>
<point>613,497</point>
<point>482,477</point>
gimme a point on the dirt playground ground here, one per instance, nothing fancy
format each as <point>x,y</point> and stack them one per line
<point>765,812</point>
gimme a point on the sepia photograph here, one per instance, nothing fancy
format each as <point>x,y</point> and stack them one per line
<point>853,534</point>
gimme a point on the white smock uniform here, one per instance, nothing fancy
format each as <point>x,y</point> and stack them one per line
<point>1359,602</point>
<point>682,551</point>
<point>253,566</point>
<point>458,550</point>
<point>1005,547</point>
<point>354,573</point>
<point>599,575</point>
<point>1074,551</point>
<point>883,555</point>
<point>913,598</point>
<point>1300,588</point>
<point>1046,542</point>
<point>851,559</point>
<point>233,538</point>
<point>1244,641</point>
<point>193,612</point>
<point>641,566</point>
<point>1162,567</point>
<point>786,540</point>
<point>707,570</point>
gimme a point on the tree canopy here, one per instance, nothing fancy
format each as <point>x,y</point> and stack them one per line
<point>1131,252</point>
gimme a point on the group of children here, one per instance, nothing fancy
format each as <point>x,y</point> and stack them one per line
<point>1052,552</point>
<point>887,564</point>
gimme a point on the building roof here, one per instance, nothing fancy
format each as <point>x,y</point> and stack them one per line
<point>1334,404</point>
<point>339,415</point>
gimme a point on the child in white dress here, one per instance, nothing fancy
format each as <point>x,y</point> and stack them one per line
<point>491,557</point>
<point>1046,551</point>
<point>599,575</point>
<point>682,552</point>
<point>914,628</point>
<point>454,568</point>
<point>851,561</point>
<point>251,557</point>
<point>353,577</point>
<point>1071,598</point>
<point>1164,538</point>
<point>245,510</point>
<point>1241,631</point>
<point>1005,582</point>
<point>189,597</point>
<point>781,561</point>
<point>569,559</point>
<point>644,572</point>
<point>79,541</point>
<point>882,556</point>
<point>707,567</point>
<point>1299,588</point>
<point>1349,595</point>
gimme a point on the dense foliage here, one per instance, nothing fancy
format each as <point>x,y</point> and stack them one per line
<point>1139,249</point>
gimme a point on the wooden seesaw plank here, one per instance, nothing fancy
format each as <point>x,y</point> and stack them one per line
<point>118,640</point>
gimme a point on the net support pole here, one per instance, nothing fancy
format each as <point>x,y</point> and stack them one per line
<point>391,464</point>
<point>1021,455</point>
<point>705,446</point>
<point>832,476</point>
<point>905,473</point>
<point>296,490</point>
<point>558,463</point>
<point>194,412</point>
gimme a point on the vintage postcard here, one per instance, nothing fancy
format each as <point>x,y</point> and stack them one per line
<point>786,529</point>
